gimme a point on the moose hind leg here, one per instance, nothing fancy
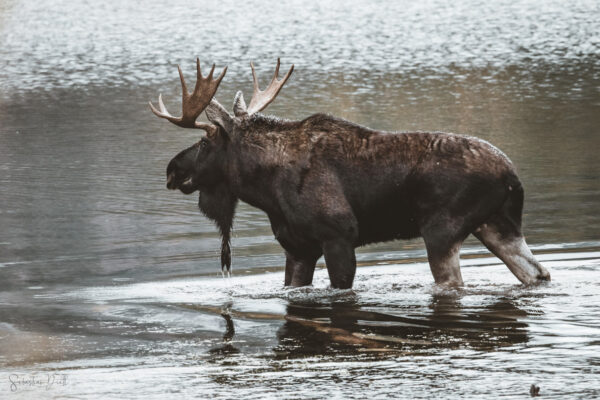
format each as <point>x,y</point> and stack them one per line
<point>514,252</point>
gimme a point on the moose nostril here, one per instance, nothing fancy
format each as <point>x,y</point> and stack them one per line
<point>170,179</point>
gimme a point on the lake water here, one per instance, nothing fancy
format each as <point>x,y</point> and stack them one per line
<point>110,284</point>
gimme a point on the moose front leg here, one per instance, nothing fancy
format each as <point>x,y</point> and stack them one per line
<point>341,262</point>
<point>299,271</point>
<point>443,240</point>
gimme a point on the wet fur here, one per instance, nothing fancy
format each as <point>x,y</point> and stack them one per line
<point>329,185</point>
<point>392,183</point>
<point>218,204</point>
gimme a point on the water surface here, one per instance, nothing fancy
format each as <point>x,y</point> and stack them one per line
<point>112,280</point>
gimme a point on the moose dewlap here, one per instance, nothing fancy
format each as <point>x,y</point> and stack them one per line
<point>329,185</point>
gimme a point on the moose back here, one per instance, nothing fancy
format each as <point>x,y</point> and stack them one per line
<point>329,185</point>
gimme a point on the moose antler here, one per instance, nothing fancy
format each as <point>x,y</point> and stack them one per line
<point>193,104</point>
<point>262,98</point>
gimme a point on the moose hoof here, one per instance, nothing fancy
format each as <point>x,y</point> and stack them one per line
<point>543,277</point>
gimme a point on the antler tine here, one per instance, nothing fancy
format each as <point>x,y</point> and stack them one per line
<point>221,75</point>
<point>184,91</point>
<point>254,79</point>
<point>198,74</point>
<point>262,98</point>
<point>162,111</point>
<point>276,74</point>
<point>192,104</point>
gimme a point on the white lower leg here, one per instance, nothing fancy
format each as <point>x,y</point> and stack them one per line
<point>446,267</point>
<point>515,253</point>
<point>522,263</point>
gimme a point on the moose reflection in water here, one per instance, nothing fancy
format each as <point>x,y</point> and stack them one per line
<point>346,327</point>
<point>227,347</point>
<point>328,186</point>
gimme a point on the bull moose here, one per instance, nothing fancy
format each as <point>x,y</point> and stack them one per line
<point>329,185</point>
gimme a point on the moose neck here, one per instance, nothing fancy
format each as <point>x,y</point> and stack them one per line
<point>258,154</point>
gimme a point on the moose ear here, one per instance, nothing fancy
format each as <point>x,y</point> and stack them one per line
<point>219,116</point>
<point>239,105</point>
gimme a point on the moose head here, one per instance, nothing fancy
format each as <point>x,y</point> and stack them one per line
<point>202,167</point>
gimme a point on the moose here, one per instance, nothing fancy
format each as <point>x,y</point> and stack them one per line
<point>329,185</point>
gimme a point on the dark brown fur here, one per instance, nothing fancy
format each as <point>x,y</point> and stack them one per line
<point>329,185</point>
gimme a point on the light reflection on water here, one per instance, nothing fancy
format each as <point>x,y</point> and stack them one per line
<point>109,277</point>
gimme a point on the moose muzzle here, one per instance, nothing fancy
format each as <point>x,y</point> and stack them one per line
<point>171,184</point>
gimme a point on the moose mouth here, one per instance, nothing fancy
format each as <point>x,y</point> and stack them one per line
<point>186,186</point>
